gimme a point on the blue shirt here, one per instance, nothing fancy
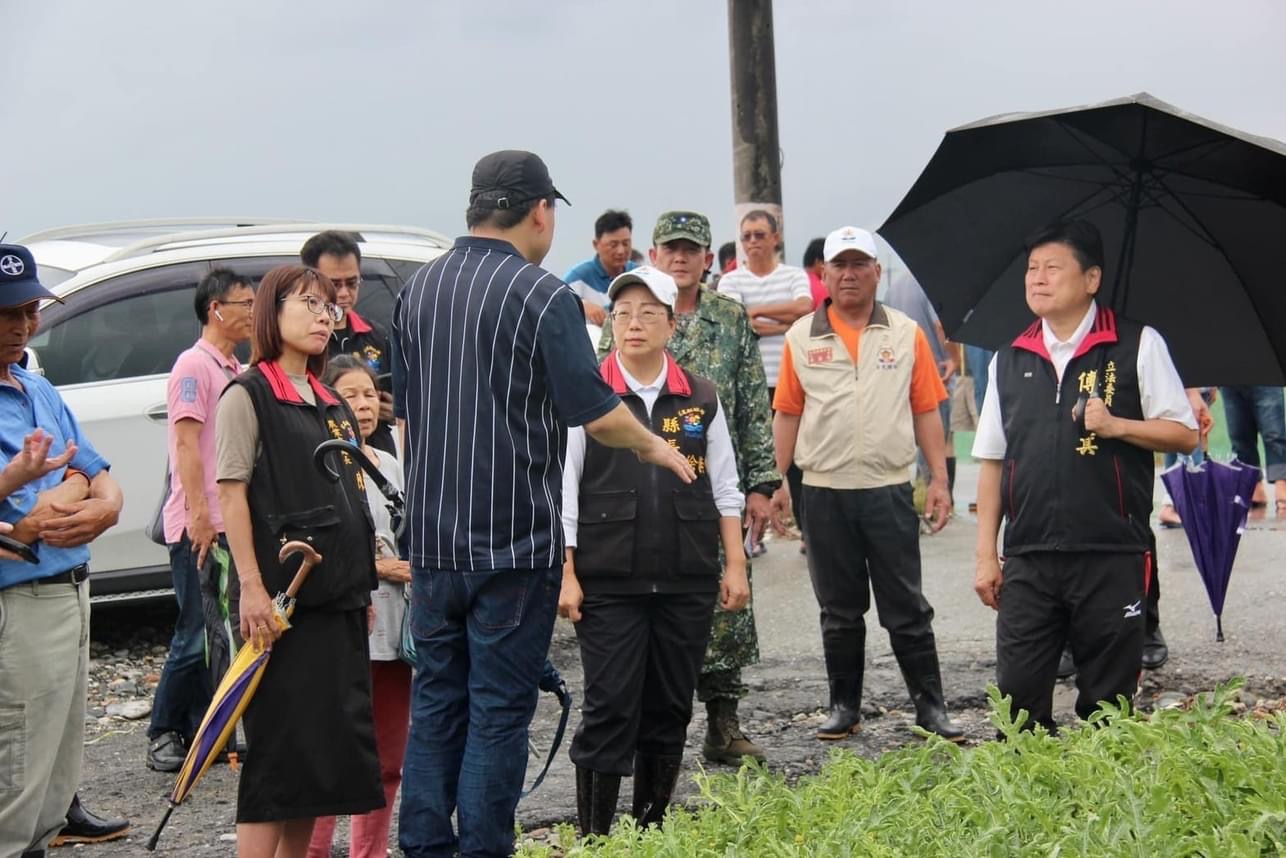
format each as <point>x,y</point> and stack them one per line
<point>592,273</point>
<point>490,365</point>
<point>38,405</point>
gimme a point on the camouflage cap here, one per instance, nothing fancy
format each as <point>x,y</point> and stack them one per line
<point>676,225</point>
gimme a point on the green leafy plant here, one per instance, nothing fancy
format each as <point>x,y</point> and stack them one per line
<point>1194,782</point>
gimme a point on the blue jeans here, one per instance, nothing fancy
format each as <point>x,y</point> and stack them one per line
<point>977,359</point>
<point>481,640</point>
<point>1252,413</point>
<point>183,694</point>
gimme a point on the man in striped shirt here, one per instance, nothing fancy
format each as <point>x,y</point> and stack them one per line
<point>490,366</point>
<point>775,294</point>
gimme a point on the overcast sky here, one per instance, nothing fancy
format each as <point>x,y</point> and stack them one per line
<point>375,111</point>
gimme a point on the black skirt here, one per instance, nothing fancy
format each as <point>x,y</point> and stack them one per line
<point>309,730</point>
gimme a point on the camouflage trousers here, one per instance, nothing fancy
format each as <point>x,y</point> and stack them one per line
<point>734,644</point>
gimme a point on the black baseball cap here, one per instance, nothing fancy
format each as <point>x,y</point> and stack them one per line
<point>510,178</point>
<point>18,282</point>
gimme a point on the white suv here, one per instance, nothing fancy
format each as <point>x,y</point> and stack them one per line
<point>128,289</point>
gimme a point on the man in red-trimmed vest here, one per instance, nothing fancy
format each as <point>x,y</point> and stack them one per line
<point>338,257</point>
<point>1076,407</point>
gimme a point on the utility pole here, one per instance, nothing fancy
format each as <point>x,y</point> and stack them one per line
<point>756,153</point>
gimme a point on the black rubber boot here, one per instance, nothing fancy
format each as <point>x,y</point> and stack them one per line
<point>846,703</point>
<point>596,795</point>
<point>924,680</point>
<point>654,778</point>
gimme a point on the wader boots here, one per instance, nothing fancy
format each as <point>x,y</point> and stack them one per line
<point>924,681</point>
<point>596,795</point>
<point>654,778</point>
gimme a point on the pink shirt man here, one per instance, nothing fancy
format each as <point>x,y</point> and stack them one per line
<point>197,380</point>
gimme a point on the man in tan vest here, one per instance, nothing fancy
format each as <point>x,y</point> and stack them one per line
<point>851,419</point>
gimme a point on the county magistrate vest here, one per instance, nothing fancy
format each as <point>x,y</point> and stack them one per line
<point>1062,488</point>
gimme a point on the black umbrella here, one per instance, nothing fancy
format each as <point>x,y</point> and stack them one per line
<point>1192,215</point>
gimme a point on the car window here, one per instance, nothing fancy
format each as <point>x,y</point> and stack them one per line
<point>132,325</point>
<point>406,268</point>
<point>137,324</point>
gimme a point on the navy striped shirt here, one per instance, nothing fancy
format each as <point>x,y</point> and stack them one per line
<point>491,363</point>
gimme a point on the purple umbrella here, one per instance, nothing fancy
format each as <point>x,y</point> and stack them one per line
<point>1213,499</point>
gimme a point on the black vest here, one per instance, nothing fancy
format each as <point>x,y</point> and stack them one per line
<point>1062,488</point>
<point>641,529</point>
<point>290,499</point>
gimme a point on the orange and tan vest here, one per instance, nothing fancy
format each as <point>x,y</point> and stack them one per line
<point>856,431</point>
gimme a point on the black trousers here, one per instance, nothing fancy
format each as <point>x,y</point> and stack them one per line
<point>641,655</point>
<point>1093,601</point>
<point>863,540</point>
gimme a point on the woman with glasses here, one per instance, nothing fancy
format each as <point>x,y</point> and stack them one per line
<point>309,728</point>
<point>642,569</point>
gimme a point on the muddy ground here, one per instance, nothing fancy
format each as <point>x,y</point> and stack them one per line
<point>787,687</point>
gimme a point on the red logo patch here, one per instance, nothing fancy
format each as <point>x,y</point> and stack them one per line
<point>816,356</point>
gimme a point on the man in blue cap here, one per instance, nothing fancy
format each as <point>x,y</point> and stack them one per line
<point>44,642</point>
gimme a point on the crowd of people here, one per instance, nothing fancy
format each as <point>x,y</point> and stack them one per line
<point>626,491</point>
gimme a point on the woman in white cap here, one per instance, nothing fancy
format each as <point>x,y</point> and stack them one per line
<point>642,569</point>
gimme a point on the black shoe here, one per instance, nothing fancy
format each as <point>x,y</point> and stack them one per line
<point>1066,664</point>
<point>654,778</point>
<point>1155,652</point>
<point>166,752</point>
<point>923,678</point>
<point>86,827</point>
<point>596,795</point>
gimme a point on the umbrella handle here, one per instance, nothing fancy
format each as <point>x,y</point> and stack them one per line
<point>311,559</point>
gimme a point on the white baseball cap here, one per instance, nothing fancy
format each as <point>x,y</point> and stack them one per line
<point>660,284</point>
<point>848,238</point>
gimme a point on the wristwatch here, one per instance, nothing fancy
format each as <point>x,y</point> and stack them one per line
<point>767,489</point>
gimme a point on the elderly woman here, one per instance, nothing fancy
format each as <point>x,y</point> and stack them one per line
<point>311,739</point>
<point>390,677</point>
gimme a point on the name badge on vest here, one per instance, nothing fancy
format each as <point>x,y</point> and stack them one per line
<point>819,356</point>
<point>886,359</point>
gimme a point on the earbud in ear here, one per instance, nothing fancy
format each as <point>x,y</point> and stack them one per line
<point>218,315</point>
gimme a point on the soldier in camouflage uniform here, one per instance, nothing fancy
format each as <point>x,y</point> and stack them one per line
<point>713,338</point>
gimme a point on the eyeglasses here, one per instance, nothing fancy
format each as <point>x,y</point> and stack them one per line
<point>645,316</point>
<point>248,304</point>
<point>346,282</point>
<point>754,236</point>
<point>316,306</point>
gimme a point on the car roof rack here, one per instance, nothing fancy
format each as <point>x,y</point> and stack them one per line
<point>415,235</point>
<point>89,231</point>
